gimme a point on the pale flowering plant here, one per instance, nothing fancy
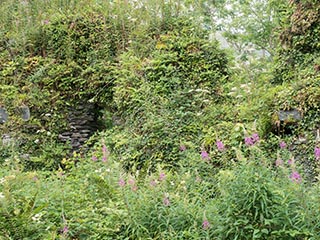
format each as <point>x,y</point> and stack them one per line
<point>21,208</point>
<point>317,153</point>
<point>169,200</point>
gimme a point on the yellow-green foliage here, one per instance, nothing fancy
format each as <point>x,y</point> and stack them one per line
<point>156,72</point>
<point>300,42</point>
<point>162,97</point>
<point>297,63</point>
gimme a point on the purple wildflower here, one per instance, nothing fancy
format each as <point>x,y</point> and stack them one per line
<point>134,188</point>
<point>183,148</point>
<point>94,158</point>
<point>162,176</point>
<point>248,141</point>
<point>317,153</point>
<point>255,137</point>
<point>153,183</point>
<point>205,225</point>
<point>220,145</point>
<point>131,181</point>
<point>121,182</point>
<point>104,148</point>
<point>166,201</point>
<point>65,230</point>
<point>105,153</point>
<point>295,177</point>
<point>46,22</point>
<point>205,155</point>
<point>282,145</point>
<point>291,161</point>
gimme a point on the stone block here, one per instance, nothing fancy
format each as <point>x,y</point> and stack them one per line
<point>287,115</point>
<point>3,115</point>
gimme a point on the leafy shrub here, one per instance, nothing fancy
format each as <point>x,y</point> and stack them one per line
<point>257,202</point>
<point>20,212</point>
<point>96,199</point>
<point>68,63</point>
<point>300,42</point>
<point>163,97</point>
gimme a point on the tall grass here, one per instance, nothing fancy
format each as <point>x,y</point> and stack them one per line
<point>20,18</point>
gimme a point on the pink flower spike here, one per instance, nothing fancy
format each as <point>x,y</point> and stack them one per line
<point>248,141</point>
<point>153,183</point>
<point>295,177</point>
<point>282,145</point>
<point>166,201</point>
<point>279,162</point>
<point>220,145</point>
<point>65,230</point>
<point>205,155</point>
<point>131,181</point>
<point>105,153</point>
<point>104,148</point>
<point>317,153</point>
<point>205,225</point>
<point>183,148</point>
<point>121,182</point>
<point>255,137</point>
<point>162,176</point>
<point>94,158</point>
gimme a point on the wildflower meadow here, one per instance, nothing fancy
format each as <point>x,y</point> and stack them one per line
<point>159,120</point>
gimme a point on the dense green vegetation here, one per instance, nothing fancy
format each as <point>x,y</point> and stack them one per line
<point>194,141</point>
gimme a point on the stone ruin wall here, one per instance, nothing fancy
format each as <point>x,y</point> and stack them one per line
<point>83,123</point>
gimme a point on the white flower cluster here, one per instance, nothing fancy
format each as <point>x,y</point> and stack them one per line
<point>2,180</point>
<point>36,217</point>
<point>237,91</point>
